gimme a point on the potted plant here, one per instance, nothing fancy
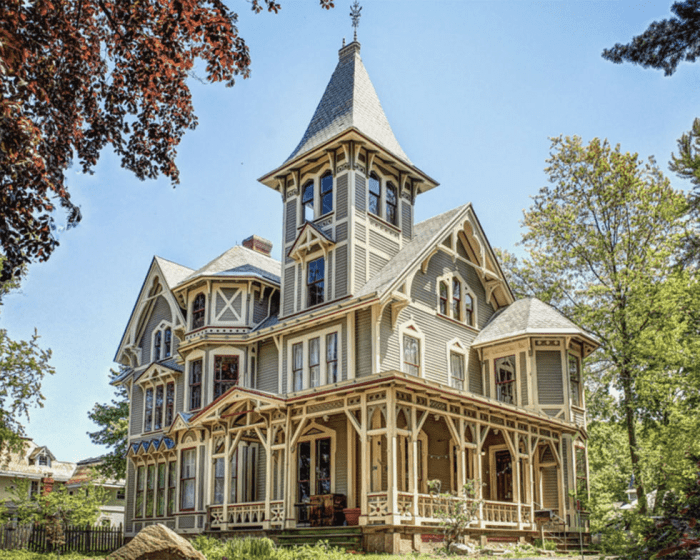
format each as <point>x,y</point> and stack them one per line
<point>352,516</point>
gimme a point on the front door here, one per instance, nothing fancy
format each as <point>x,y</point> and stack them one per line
<point>504,477</point>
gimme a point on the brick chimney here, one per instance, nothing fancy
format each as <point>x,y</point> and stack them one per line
<point>258,244</point>
<point>47,484</point>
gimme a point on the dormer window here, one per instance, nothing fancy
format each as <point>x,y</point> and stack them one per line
<point>198,309</point>
<point>326,193</point>
<point>391,204</point>
<point>375,195</point>
<point>307,201</point>
<point>167,343</point>
<point>43,461</point>
<point>455,300</point>
<point>315,282</point>
<point>157,342</point>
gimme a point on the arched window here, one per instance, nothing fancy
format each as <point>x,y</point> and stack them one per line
<point>375,195</point>
<point>167,341</point>
<point>469,309</point>
<point>198,311</point>
<point>443,298</point>
<point>307,201</point>
<point>391,204</point>
<point>327,193</point>
<point>456,299</point>
<point>156,345</point>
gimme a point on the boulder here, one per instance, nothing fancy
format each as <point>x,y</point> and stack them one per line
<point>157,542</point>
<point>460,549</point>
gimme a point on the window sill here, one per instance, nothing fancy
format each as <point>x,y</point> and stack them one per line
<point>316,220</point>
<point>456,322</point>
<point>384,222</point>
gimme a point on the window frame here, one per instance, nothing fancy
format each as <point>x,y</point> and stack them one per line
<point>305,203</point>
<point>466,318</point>
<point>322,281</point>
<point>199,312</point>
<point>574,380</point>
<point>140,491</point>
<point>224,386</point>
<point>303,342</point>
<point>371,196</point>
<point>184,480</point>
<point>512,382</point>
<point>456,347</point>
<point>148,409</point>
<point>198,385</point>
<point>329,192</point>
<point>387,204</point>
<point>411,329</point>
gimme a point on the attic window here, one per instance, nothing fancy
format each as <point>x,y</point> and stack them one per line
<point>44,461</point>
<point>198,309</point>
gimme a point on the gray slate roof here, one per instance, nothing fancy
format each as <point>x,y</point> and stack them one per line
<point>240,261</point>
<point>526,316</point>
<point>349,101</point>
<point>424,234</point>
<point>174,273</point>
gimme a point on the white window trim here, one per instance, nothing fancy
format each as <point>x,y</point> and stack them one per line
<point>466,289</point>
<point>457,347</point>
<point>325,433</point>
<point>322,354</point>
<point>190,308</point>
<point>193,357</point>
<point>406,329</point>
<point>325,255</point>
<point>161,328</point>
<point>224,350</point>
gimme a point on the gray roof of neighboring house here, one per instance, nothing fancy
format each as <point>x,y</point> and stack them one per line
<point>240,261</point>
<point>174,273</point>
<point>526,316</point>
<point>424,234</point>
<point>349,101</point>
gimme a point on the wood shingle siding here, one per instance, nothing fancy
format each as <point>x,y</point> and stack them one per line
<point>383,243</point>
<point>550,388</point>
<point>341,196</point>
<point>360,195</point>
<point>160,312</point>
<point>523,379</point>
<point>341,271</point>
<point>290,228</point>
<point>363,343</point>
<point>267,367</point>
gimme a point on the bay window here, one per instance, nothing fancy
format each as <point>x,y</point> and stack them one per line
<point>575,380</point>
<point>505,379</point>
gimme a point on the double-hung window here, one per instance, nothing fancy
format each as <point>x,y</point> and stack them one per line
<point>392,202</point>
<point>469,309</point>
<point>167,343</point>
<point>457,370</point>
<point>314,360</point>
<point>157,345</point>
<point>219,480</point>
<point>307,201</point>
<point>456,299</point>
<point>332,358</point>
<point>160,499</point>
<point>172,486</point>
<point>158,416</point>
<point>198,309</point>
<point>150,490</point>
<point>315,282</point>
<point>575,380</point>
<point>326,193</point>
<point>298,366</point>
<point>169,403</point>
<point>225,374</point>
<point>187,478</point>
<point>148,417</point>
<point>443,298</point>
<point>195,384</point>
<point>411,355</point>
<point>140,487</point>
<point>505,379</point>
<point>375,195</point>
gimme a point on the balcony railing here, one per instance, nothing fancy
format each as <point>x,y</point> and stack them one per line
<point>245,515</point>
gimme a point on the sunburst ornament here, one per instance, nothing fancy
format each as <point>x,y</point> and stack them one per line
<point>355,13</point>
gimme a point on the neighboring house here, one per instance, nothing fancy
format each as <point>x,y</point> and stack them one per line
<point>36,464</point>
<point>378,355</point>
<point>112,512</point>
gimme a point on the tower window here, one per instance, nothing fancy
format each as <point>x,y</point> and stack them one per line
<point>326,193</point>
<point>307,201</point>
<point>314,282</point>
<point>375,195</point>
<point>391,204</point>
<point>198,311</point>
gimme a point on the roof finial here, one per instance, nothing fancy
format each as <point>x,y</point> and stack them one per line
<point>355,14</point>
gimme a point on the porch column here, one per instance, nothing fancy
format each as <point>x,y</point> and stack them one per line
<point>290,519</point>
<point>413,463</point>
<point>481,438</point>
<point>364,443</point>
<point>350,431</point>
<point>227,475</point>
<point>392,479</point>
<point>562,482</point>
<point>268,475</point>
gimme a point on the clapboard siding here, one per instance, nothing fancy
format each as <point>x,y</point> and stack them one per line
<point>338,423</point>
<point>260,307</point>
<point>376,263</point>
<point>130,495</point>
<point>389,344</point>
<point>300,287</point>
<point>360,267</point>
<point>160,312</point>
<point>361,232</point>
<point>383,243</point>
<point>341,271</point>
<point>289,290</point>
<point>523,379</point>
<point>550,491</point>
<point>267,367</point>
<point>136,405</point>
<point>475,384</point>
<point>261,478</point>
<point>363,343</point>
<point>341,196</point>
<point>406,220</point>
<point>180,392</point>
<point>291,223</point>
<point>550,388</point>
<point>487,379</point>
<point>360,195</point>
<point>341,232</point>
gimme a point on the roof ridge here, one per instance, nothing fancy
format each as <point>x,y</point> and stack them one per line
<point>172,262</point>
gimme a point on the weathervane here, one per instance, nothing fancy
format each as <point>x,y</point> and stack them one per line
<point>355,14</point>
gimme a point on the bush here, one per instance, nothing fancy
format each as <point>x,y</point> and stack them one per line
<point>236,549</point>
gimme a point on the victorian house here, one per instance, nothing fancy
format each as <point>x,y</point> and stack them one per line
<point>378,355</point>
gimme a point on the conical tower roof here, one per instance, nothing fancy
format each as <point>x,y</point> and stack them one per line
<point>349,101</point>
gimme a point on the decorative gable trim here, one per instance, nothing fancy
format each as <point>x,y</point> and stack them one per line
<point>310,240</point>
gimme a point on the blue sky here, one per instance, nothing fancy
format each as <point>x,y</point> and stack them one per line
<point>473,91</point>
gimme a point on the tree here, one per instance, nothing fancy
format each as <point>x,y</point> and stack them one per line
<point>455,513</point>
<point>114,420</point>
<point>601,243</point>
<point>665,43</point>
<point>79,75</point>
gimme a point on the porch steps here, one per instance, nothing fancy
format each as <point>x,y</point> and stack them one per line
<point>569,541</point>
<point>349,538</point>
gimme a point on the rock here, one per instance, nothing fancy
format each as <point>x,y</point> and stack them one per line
<point>157,542</point>
<point>460,549</point>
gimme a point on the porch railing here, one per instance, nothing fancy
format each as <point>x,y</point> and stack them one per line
<point>503,514</point>
<point>245,514</point>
